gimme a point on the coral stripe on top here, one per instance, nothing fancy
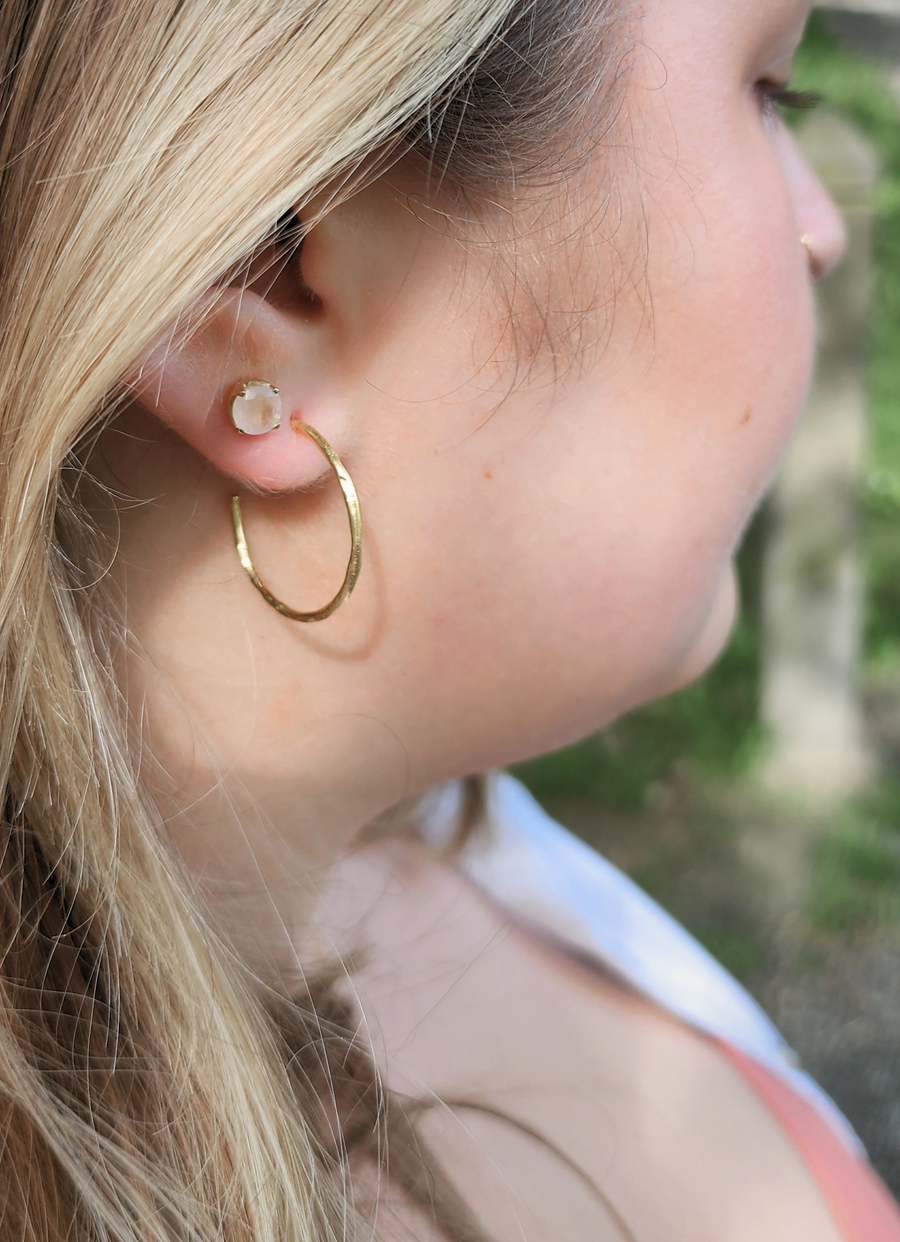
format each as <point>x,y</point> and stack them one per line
<point>862,1208</point>
<point>545,878</point>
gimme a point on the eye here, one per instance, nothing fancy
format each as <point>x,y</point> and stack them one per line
<point>777,95</point>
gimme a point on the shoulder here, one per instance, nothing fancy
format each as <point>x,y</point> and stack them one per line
<point>545,877</point>
<point>470,1006</point>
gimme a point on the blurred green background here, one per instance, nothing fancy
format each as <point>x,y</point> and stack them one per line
<point>801,903</point>
<point>711,731</point>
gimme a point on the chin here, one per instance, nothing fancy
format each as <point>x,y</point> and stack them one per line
<point>710,637</point>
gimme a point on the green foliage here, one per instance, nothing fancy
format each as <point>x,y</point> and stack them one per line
<point>859,88</point>
<point>855,873</point>
<point>712,728</point>
<point>738,949</point>
<point>855,879</point>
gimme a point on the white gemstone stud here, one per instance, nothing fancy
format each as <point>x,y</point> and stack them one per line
<point>256,408</point>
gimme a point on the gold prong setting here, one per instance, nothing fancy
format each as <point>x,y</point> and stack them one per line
<point>255,408</point>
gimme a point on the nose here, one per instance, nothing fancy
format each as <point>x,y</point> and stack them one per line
<point>824,236</point>
<point>820,224</point>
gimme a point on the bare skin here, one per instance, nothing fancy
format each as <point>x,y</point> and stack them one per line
<point>462,1005</point>
<point>539,557</point>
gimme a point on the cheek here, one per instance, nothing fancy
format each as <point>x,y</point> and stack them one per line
<point>732,337</point>
<point>731,359</point>
<point>646,482</point>
<point>573,560</point>
<point>740,322</point>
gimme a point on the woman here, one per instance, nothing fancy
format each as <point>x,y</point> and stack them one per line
<point>538,295</point>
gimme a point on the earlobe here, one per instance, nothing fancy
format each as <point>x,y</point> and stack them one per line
<point>248,366</point>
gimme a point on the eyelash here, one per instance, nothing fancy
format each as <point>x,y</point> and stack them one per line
<point>773,96</point>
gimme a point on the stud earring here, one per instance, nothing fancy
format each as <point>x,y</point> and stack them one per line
<point>351,500</point>
<point>255,408</point>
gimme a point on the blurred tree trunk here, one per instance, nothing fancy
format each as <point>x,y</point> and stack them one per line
<point>812,596</point>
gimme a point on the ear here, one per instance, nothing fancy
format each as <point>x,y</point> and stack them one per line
<point>271,328</point>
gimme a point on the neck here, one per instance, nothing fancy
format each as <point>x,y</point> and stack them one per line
<point>261,739</point>
<point>261,848</point>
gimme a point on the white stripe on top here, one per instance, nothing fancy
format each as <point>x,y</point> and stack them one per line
<point>542,875</point>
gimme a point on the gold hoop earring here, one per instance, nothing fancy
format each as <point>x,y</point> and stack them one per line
<point>351,500</point>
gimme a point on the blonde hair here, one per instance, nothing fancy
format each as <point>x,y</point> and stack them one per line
<point>146,146</point>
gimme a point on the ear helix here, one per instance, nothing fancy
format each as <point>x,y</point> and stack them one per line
<point>255,409</point>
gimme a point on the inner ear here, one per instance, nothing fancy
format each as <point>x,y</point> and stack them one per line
<point>276,273</point>
<point>263,326</point>
<point>307,313</point>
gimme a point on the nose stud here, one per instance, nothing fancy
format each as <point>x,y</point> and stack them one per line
<point>812,258</point>
<point>255,408</point>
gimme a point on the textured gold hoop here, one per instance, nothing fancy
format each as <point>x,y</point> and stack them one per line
<point>351,500</point>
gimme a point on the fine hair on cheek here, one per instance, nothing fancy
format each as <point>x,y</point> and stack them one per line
<point>526,165</point>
